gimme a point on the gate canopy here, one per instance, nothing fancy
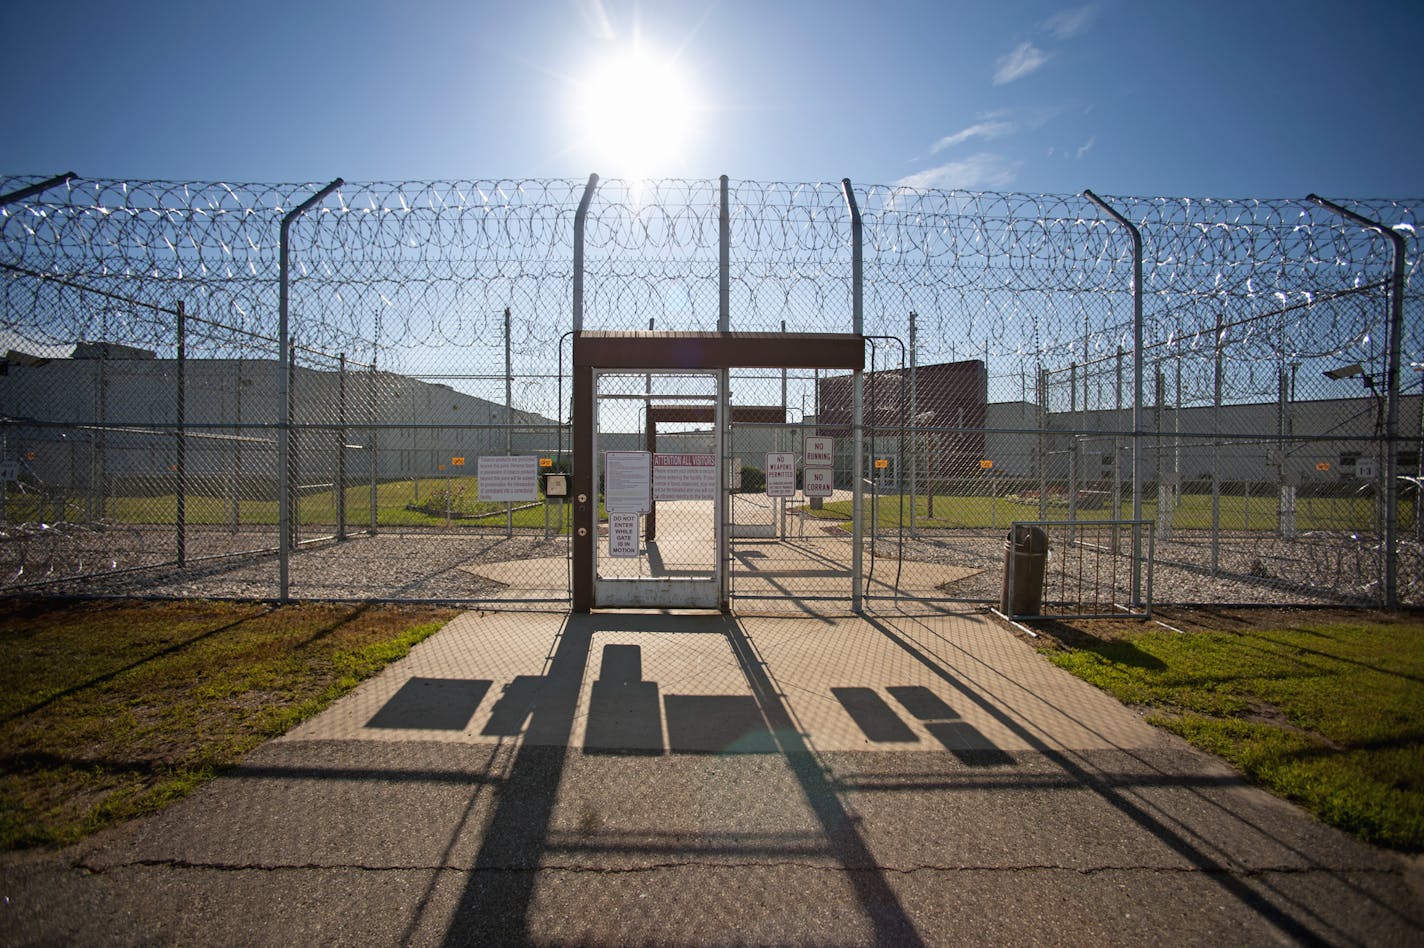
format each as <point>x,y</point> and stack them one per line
<point>719,350</point>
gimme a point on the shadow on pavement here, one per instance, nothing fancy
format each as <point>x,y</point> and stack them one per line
<point>1226,876</point>
<point>495,905</point>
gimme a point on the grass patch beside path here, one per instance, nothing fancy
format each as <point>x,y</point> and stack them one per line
<point>1326,711</point>
<point>112,709</point>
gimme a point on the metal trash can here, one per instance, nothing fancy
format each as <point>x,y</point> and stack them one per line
<point>1025,556</point>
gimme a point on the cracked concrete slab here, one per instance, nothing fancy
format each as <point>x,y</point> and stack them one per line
<point>547,800</point>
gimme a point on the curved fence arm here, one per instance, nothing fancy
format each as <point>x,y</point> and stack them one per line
<point>284,388</point>
<point>37,188</point>
<point>1391,433</point>
<point>857,308</point>
<point>1136,386</point>
<point>579,217</point>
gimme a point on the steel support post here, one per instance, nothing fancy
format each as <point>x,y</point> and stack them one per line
<point>579,217</point>
<point>914,422</point>
<point>724,259</point>
<point>1216,449</point>
<point>508,418</point>
<point>181,489</point>
<point>1136,389</point>
<point>371,441</point>
<point>284,391</point>
<point>1073,441</point>
<point>341,447</point>
<point>857,589</point>
<point>1391,434</point>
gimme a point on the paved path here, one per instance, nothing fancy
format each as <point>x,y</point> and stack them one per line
<point>623,778</point>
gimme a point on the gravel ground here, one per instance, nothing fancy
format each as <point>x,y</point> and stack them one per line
<point>429,566</point>
<point>109,560</point>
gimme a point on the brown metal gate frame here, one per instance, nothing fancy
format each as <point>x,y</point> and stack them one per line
<point>663,351</point>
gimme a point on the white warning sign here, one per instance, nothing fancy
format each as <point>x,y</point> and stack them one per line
<point>512,477</point>
<point>623,534</point>
<point>684,476</point>
<point>818,452</point>
<point>781,474</point>
<point>628,481</point>
<point>817,482</point>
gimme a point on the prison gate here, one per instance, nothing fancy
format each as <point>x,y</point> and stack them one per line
<point>181,414</point>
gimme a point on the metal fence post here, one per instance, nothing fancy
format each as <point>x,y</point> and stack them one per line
<point>1073,440</point>
<point>341,447</point>
<point>371,439</point>
<point>1117,450</point>
<point>579,217</point>
<point>293,492</point>
<point>724,260</point>
<point>914,421</point>
<point>508,418</point>
<point>1391,436</point>
<point>857,402</point>
<point>181,514</point>
<point>1136,389</point>
<point>1042,444</point>
<point>1216,449</point>
<point>1164,503</point>
<point>237,448</point>
<point>284,448</point>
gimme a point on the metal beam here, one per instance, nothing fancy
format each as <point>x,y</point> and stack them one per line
<point>703,350</point>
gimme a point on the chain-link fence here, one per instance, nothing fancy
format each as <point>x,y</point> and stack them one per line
<point>1255,392</point>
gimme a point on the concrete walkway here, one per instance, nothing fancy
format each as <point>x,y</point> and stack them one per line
<point>649,778</point>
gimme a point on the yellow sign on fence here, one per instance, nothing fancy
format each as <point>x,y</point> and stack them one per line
<point>457,462</point>
<point>881,463</point>
<point>546,462</point>
<point>1323,466</point>
<point>986,464</point>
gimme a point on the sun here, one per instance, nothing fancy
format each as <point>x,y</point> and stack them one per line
<point>635,112</point>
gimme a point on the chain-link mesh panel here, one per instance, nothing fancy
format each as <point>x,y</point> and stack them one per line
<point>1258,438</point>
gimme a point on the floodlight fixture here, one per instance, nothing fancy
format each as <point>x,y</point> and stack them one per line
<point>1345,371</point>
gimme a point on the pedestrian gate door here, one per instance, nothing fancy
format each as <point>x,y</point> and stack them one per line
<point>617,481</point>
<point>677,485</point>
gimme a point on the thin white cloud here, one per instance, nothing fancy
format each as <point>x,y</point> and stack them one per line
<point>1018,62</point>
<point>1087,146</point>
<point>981,171</point>
<point>985,130</point>
<point>1072,22</point>
<point>595,18</point>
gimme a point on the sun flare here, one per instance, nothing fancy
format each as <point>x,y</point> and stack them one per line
<point>635,113</point>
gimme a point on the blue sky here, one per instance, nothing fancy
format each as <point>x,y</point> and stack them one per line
<point>1251,98</point>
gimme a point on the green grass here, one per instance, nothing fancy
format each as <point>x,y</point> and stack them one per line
<point>431,498</point>
<point>1192,513</point>
<point>114,709</point>
<point>1328,715</point>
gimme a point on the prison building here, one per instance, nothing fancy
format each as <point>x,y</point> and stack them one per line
<point>950,404</point>
<point>110,413</point>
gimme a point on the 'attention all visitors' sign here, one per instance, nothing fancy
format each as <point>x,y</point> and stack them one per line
<point>684,477</point>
